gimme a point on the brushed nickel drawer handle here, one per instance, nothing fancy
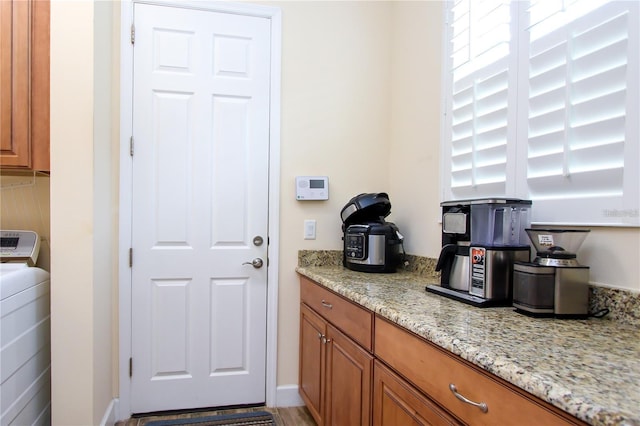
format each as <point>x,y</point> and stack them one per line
<point>326,305</point>
<point>481,405</point>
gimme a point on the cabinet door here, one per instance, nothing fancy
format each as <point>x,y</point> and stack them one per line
<point>15,48</point>
<point>349,375</point>
<point>396,402</point>
<point>6,36</point>
<point>24,84</point>
<point>313,330</point>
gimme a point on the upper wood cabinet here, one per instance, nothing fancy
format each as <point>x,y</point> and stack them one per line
<point>24,84</point>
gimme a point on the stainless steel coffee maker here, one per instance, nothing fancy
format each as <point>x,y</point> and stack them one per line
<point>481,240</point>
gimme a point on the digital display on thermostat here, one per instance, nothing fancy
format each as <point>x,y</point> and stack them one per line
<point>316,183</point>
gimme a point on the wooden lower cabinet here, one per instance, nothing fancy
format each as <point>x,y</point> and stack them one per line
<point>396,402</point>
<point>361,369</point>
<point>335,373</point>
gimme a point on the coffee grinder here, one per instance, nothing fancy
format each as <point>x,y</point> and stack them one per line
<point>554,284</point>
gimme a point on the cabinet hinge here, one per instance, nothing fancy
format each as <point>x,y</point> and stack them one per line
<point>133,34</point>
<point>131,146</point>
<point>130,257</point>
<point>130,367</point>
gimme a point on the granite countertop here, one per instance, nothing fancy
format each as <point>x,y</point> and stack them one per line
<point>588,368</point>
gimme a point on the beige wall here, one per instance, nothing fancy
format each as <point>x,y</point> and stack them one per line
<point>336,94</point>
<point>82,229</point>
<point>72,327</point>
<point>415,124</point>
<point>360,103</point>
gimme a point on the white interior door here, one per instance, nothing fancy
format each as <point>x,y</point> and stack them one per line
<point>200,199</point>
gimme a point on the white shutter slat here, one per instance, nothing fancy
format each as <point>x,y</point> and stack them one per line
<point>603,84</point>
<point>491,174</point>
<point>489,123</point>
<point>549,122</point>
<point>491,139</point>
<point>461,162</point>
<point>545,59</point>
<point>601,108</point>
<point>491,157</point>
<point>477,191</point>
<point>548,164</point>
<point>461,179</point>
<point>462,132</point>
<point>546,102</point>
<point>596,158</point>
<point>546,143</point>
<point>599,62</point>
<point>604,132</point>
<point>593,184</point>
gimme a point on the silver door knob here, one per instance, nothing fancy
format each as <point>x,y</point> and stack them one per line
<point>256,263</point>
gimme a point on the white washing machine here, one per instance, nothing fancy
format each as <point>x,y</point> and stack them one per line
<point>25,336</point>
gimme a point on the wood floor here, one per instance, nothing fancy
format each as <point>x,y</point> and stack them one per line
<point>290,416</point>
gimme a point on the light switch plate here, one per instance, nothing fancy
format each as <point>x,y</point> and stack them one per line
<point>309,229</point>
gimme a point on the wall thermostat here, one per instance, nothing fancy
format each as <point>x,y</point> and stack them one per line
<point>312,188</point>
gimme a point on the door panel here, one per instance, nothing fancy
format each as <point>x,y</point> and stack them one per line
<point>200,192</point>
<point>229,348</point>
<point>170,319</point>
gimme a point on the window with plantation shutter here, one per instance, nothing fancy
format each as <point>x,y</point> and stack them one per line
<point>554,118</point>
<point>483,81</point>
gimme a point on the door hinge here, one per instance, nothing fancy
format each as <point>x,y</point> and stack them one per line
<point>130,257</point>
<point>133,34</point>
<point>131,146</point>
<point>130,367</point>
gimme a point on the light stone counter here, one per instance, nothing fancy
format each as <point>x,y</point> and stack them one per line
<point>588,368</point>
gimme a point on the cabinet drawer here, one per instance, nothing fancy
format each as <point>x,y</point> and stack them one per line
<point>354,321</point>
<point>433,370</point>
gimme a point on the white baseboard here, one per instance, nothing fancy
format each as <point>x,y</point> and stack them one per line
<point>288,396</point>
<point>110,415</point>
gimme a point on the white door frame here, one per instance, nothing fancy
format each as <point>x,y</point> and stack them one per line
<point>123,410</point>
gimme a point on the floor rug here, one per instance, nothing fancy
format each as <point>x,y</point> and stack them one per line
<point>254,418</point>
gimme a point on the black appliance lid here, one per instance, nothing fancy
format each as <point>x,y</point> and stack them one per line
<point>366,207</point>
<point>491,200</point>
